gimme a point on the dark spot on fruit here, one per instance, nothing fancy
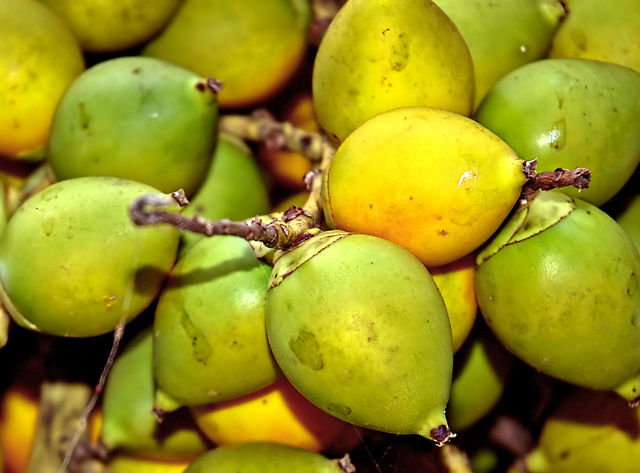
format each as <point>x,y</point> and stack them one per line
<point>564,454</point>
<point>371,206</point>
<point>201,87</point>
<point>443,232</point>
<point>136,70</point>
<point>307,350</point>
<point>340,409</point>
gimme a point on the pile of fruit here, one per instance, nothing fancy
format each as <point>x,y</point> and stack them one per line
<point>319,236</point>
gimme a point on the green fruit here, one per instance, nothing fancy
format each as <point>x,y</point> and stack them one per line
<point>128,422</point>
<point>558,285</point>
<point>105,25</point>
<point>629,218</point>
<point>210,342</point>
<point>72,263</point>
<point>589,432</point>
<point>503,35</point>
<point>254,47</point>
<point>600,30</point>
<point>137,118</point>
<point>378,56</point>
<point>263,457</point>
<point>235,188</point>
<point>570,113</point>
<point>480,373</point>
<point>358,326</point>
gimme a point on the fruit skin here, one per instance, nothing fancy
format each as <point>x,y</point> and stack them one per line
<point>600,30</point>
<point>121,463</point>
<point>234,187</point>
<point>545,283</point>
<point>39,59</point>
<point>210,342</point>
<point>378,55</point>
<point>18,420</point>
<point>589,432</point>
<point>503,35</point>
<point>106,26</point>
<point>72,263</point>
<point>434,182</point>
<point>263,457</point>
<point>358,326</point>
<point>217,38</point>
<point>277,413</point>
<point>129,424</point>
<point>629,218</point>
<point>137,118</point>
<point>570,113</point>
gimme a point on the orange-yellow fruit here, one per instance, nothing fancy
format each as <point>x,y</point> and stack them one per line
<point>18,420</point>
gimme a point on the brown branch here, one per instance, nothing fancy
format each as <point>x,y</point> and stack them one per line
<point>548,180</point>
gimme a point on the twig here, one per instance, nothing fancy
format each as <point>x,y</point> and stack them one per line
<point>578,177</point>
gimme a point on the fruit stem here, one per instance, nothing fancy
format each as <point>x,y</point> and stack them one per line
<point>548,180</point>
<point>280,230</point>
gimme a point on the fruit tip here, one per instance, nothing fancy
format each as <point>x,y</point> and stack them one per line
<point>441,434</point>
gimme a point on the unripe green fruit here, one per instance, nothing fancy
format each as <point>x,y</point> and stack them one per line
<point>358,326</point>
<point>137,118</point>
<point>210,341</point>
<point>263,457</point>
<point>570,113</point>
<point>72,263</point>
<point>128,422</point>
<point>559,287</point>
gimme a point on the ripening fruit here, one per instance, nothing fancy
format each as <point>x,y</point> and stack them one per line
<point>137,118</point>
<point>434,182</point>
<point>122,463</point>
<point>103,26</point>
<point>559,286</point>
<point>378,55</point>
<point>263,457</point>
<point>357,325</point>
<point>629,218</point>
<point>570,113</point>
<point>254,47</point>
<point>209,337</point>
<point>72,263</point>
<point>39,59</point>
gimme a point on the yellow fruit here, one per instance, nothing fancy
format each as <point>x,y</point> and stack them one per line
<point>456,282</point>
<point>39,58</point>
<point>109,25</point>
<point>131,464</point>
<point>18,420</point>
<point>254,47</point>
<point>434,182</point>
<point>277,413</point>
<point>378,55</point>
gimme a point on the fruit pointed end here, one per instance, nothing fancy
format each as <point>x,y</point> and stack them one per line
<point>441,434</point>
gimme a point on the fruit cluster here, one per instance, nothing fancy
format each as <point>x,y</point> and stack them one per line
<point>319,236</point>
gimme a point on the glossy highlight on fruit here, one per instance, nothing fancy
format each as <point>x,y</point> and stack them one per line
<point>357,325</point>
<point>440,191</point>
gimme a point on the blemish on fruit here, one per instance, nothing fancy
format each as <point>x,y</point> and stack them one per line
<point>339,409</point>
<point>635,320</point>
<point>307,350</point>
<point>443,233</point>
<point>632,284</point>
<point>201,348</point>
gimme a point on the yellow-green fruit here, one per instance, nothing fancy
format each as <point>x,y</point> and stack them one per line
<point>590,432</point>
<point>39,59</point>
<point>254,47</point>
<point>121,463</point>
<point>107,25</point>
<point>601,30</point>
<point>358,326</point>
<point>435,182</point>
<point>264,457</point>
<point>378,55</point>
<point>72,263</point>
<point>559,286</point>
<point>128,422</point>
<point>503,34</point>
<point>629,218</point>
<point>210,342</point>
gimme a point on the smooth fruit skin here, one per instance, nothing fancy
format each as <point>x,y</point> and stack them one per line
<point>378,55</point>
<point>128,422</point>
<point>254,47</point>
<point>503,35</point>
<point>629,218</point>
<point>358,326</point>
<point>122,463</point>
<point>565,299</point>
<point>589,432</point>
<point>600,30</point>
<point>72,263</point>
<point>39,59</point>
<point>137,118</point>
<point>210,342</point>
<point>434,182</point>
<point>570,113</point>
<point>103,26</point>
<point>263,457</point>
<point>277,413</point>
